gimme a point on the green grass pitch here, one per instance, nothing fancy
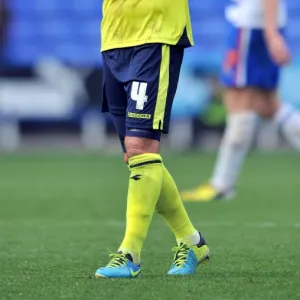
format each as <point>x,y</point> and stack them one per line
<point>60,216</point>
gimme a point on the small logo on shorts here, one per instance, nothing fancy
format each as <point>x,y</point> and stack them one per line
<point>138,94</point>
<point>138,116</point>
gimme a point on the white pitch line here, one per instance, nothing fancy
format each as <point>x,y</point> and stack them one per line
<point>262,225</point>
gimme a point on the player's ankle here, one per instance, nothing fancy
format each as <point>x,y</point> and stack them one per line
<point>191,240</point>
<point>135,257</point>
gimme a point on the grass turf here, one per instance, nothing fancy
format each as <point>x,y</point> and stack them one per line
<point>59,215</point>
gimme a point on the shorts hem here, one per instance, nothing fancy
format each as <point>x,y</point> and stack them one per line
<point>146,127</point>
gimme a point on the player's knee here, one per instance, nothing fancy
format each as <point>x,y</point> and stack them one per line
<point>139,145</point>
<point>140,141</point>
<point>266,104</point>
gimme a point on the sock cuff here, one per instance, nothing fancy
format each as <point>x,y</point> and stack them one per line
<point>144,159</point>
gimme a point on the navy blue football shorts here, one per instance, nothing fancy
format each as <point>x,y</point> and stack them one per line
<point>139,87</point>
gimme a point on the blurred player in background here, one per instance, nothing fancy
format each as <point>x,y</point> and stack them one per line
<point>257,50</point>
<point>143,45</point>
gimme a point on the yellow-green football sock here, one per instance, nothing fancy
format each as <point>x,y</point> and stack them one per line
<point>143,192</point>
<point>171,208</point>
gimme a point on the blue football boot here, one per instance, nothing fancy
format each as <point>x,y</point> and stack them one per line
<point>187,258</point>
<point>120,266</point>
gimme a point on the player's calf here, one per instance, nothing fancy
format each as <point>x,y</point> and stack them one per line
<point>145,181</point>
<point>236,142</point>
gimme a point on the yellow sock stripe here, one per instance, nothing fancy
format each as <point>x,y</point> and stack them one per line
<point>159,113</point>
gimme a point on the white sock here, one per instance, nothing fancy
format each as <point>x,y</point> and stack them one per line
<point>191,240</point>
<point>236,142</point>
<point>288,120</point>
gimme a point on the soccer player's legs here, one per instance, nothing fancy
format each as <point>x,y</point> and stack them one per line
<point>241,120</point>
<point>150,96</point>
<point>151,87</point>
<point>254,79</point>
<point>251,79</point>
<point>142,145</point>
<point>245,82</point>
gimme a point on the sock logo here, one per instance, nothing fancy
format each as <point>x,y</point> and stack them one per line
<point>136,177</point>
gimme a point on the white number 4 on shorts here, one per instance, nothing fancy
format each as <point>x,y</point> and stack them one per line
<point>138,94</point>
